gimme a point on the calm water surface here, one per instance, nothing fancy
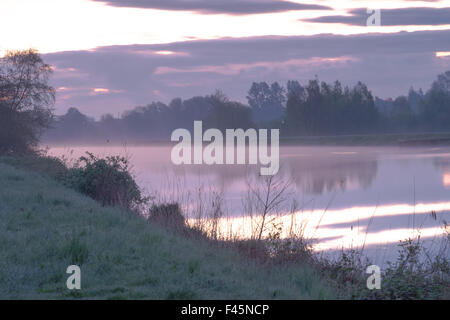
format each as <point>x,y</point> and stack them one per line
<point>346,196</point>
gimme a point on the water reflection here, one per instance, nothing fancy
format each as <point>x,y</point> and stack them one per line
<point>378,227</point>
<point>443,163</point>
<point>330,171</point>
<point>313,170</point>
<point>370,195</point>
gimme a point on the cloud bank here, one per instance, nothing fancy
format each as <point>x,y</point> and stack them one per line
<point>139,74</point>
<point>232,7</point>
<point>392,17</point>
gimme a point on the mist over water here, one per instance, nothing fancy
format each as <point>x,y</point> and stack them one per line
<point>347,196</point>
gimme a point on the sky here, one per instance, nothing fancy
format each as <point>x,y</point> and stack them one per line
<point>110,56</point>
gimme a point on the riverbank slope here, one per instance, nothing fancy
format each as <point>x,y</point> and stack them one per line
<point>45,227</point>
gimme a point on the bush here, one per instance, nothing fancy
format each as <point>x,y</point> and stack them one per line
<point>417,274</point>
<point>412,277</point>
<point>106,180</point>
<point>167,215</point>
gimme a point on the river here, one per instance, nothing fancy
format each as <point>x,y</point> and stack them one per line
<point>369,197</point>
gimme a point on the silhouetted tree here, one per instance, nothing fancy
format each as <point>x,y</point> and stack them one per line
<point>267,102</point>
<point>322,108</point>
<point>402,116</point>
<point>74,126</point>
<point>228,114</point>
<point>26,100</point>
<point>435,111</point>
<point>415,99</point>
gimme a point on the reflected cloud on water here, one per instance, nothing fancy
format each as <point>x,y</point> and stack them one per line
<point>375,196</point>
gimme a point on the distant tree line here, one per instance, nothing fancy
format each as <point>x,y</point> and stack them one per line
<point>317,108</point>
<point>154,121</point>
<point>314,108</point>
<point>327,109</point>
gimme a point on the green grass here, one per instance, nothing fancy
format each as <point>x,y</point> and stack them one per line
<point>45,227</point>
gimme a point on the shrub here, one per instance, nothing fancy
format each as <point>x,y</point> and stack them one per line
<point>167,215</point>
<point>413,277</point>
<point>417,274</point>
<point>106,180</point>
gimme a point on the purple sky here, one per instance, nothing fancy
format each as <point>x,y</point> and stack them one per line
<point>110,56</point>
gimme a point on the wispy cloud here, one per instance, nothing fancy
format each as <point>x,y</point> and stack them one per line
<point>232,7</point>
<point>234,69</point>
<point>391,17</point>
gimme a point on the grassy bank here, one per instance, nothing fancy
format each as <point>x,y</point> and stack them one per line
<point>45,227</point>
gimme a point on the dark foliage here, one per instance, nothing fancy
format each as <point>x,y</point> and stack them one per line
<point>316,109</point>
<point>326,109</point>
<point>167,215</point>
<point>26,101</point>
<point>155,121</point>
<point>106,180</point>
